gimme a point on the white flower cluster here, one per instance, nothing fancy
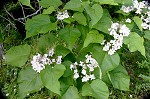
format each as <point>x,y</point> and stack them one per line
<point>118,31</point>
<point>146,20</point>
<point>62,15</point>
<point>141,8</point>
<point>137,7</point>
<point>39,61</point>
<point>87,68</point>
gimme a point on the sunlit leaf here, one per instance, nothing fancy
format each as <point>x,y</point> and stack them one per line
<point>95,12</point>
<point>80,18</point>
<point>138,22</point>
<point>50,76</point>
<point>29,81</point>
<point>104,23</point>
<point>135,42</point>
<point>26,3</point>
<point>120,79</point>
<point>39,24</point>
<point>69,35</point>
<point>71,93</point>
<point>48,3</point>
<point>97,89</point>
<point>93,37</point>
<point>74,5</point>
<point>18,55</point>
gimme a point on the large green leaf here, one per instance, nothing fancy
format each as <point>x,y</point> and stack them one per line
<point>29,81</point>
<point>119,78</point>
<point>147,34</point>
<point>46,41</point>
<point>74,5</point>
<point>71,93</point>
<point>50,76</point>
<point>93,37</point>
<point>18,55</point>
<point>39,24</point>
<point>69,35</point>
<point>97,89</point>
<point>80,18</point>
<point>106,62</point>
<point>138,22</point>
<point>26,3</point>
<point>95,12</point>
<point>110,2</point>
<point>135,42</point>
<point>61,51</point>
<point>48,10</point>
<point>104,23</point>
<point>48,3</point>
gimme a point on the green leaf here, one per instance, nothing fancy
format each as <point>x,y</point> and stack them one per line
<point>135,42</point>
<point>138,22</point>
<point>48,3</point>
<point>146,78</point>
<point>68,71</point>
<point>93,37</point>
<point>39,24</point>
<point>48,10</point>
<point>110,2</point>
<point>83,30</point>
<point>97,89</point>
<point>105,61</point>
<point>74,5</point>
<point>46,41</point>
<point>95,12</point>
<point>29,81</point>
<point>61,51</point>
<point>128,2</point>
<point>18,55</point>
<point>80,18</point>
<point>147,34</point>
<point>50,76</point>
<point>104,23</point>
<point>71,93</point>
<point>69,35</point>
<point>119,78</point>
<point>65,83</point>
<point>26,3</point>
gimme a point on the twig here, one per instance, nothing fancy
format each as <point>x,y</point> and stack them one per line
<point>12,16</point>
<point>31,14</point>
<point>22,9</point>
<point>8,21</point>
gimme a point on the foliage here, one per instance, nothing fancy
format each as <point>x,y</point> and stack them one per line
<point>65,39</point>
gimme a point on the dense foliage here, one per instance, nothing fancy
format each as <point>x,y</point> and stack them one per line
<point>78,49</point>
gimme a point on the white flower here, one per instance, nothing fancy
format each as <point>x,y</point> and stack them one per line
<point>62,15</point>
<point>107,46</point>
<point>144,25</point>
<point>83,72</point>
<point>81,63</point>
<point>76,75</point>
<point>124,30</point>
<point>103,42</point>
<point>139,11</point>
<point>128,20</point>
<point>58,60</point>
<point>72,66</point>
<point>111,51</point>
<point>51,52</point>
<point>92,76</point>
<point>85,78</point>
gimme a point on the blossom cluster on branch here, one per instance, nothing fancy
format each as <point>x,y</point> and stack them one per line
<point>87,68</point>
<point>39,61</point>
<point>118,31</point>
